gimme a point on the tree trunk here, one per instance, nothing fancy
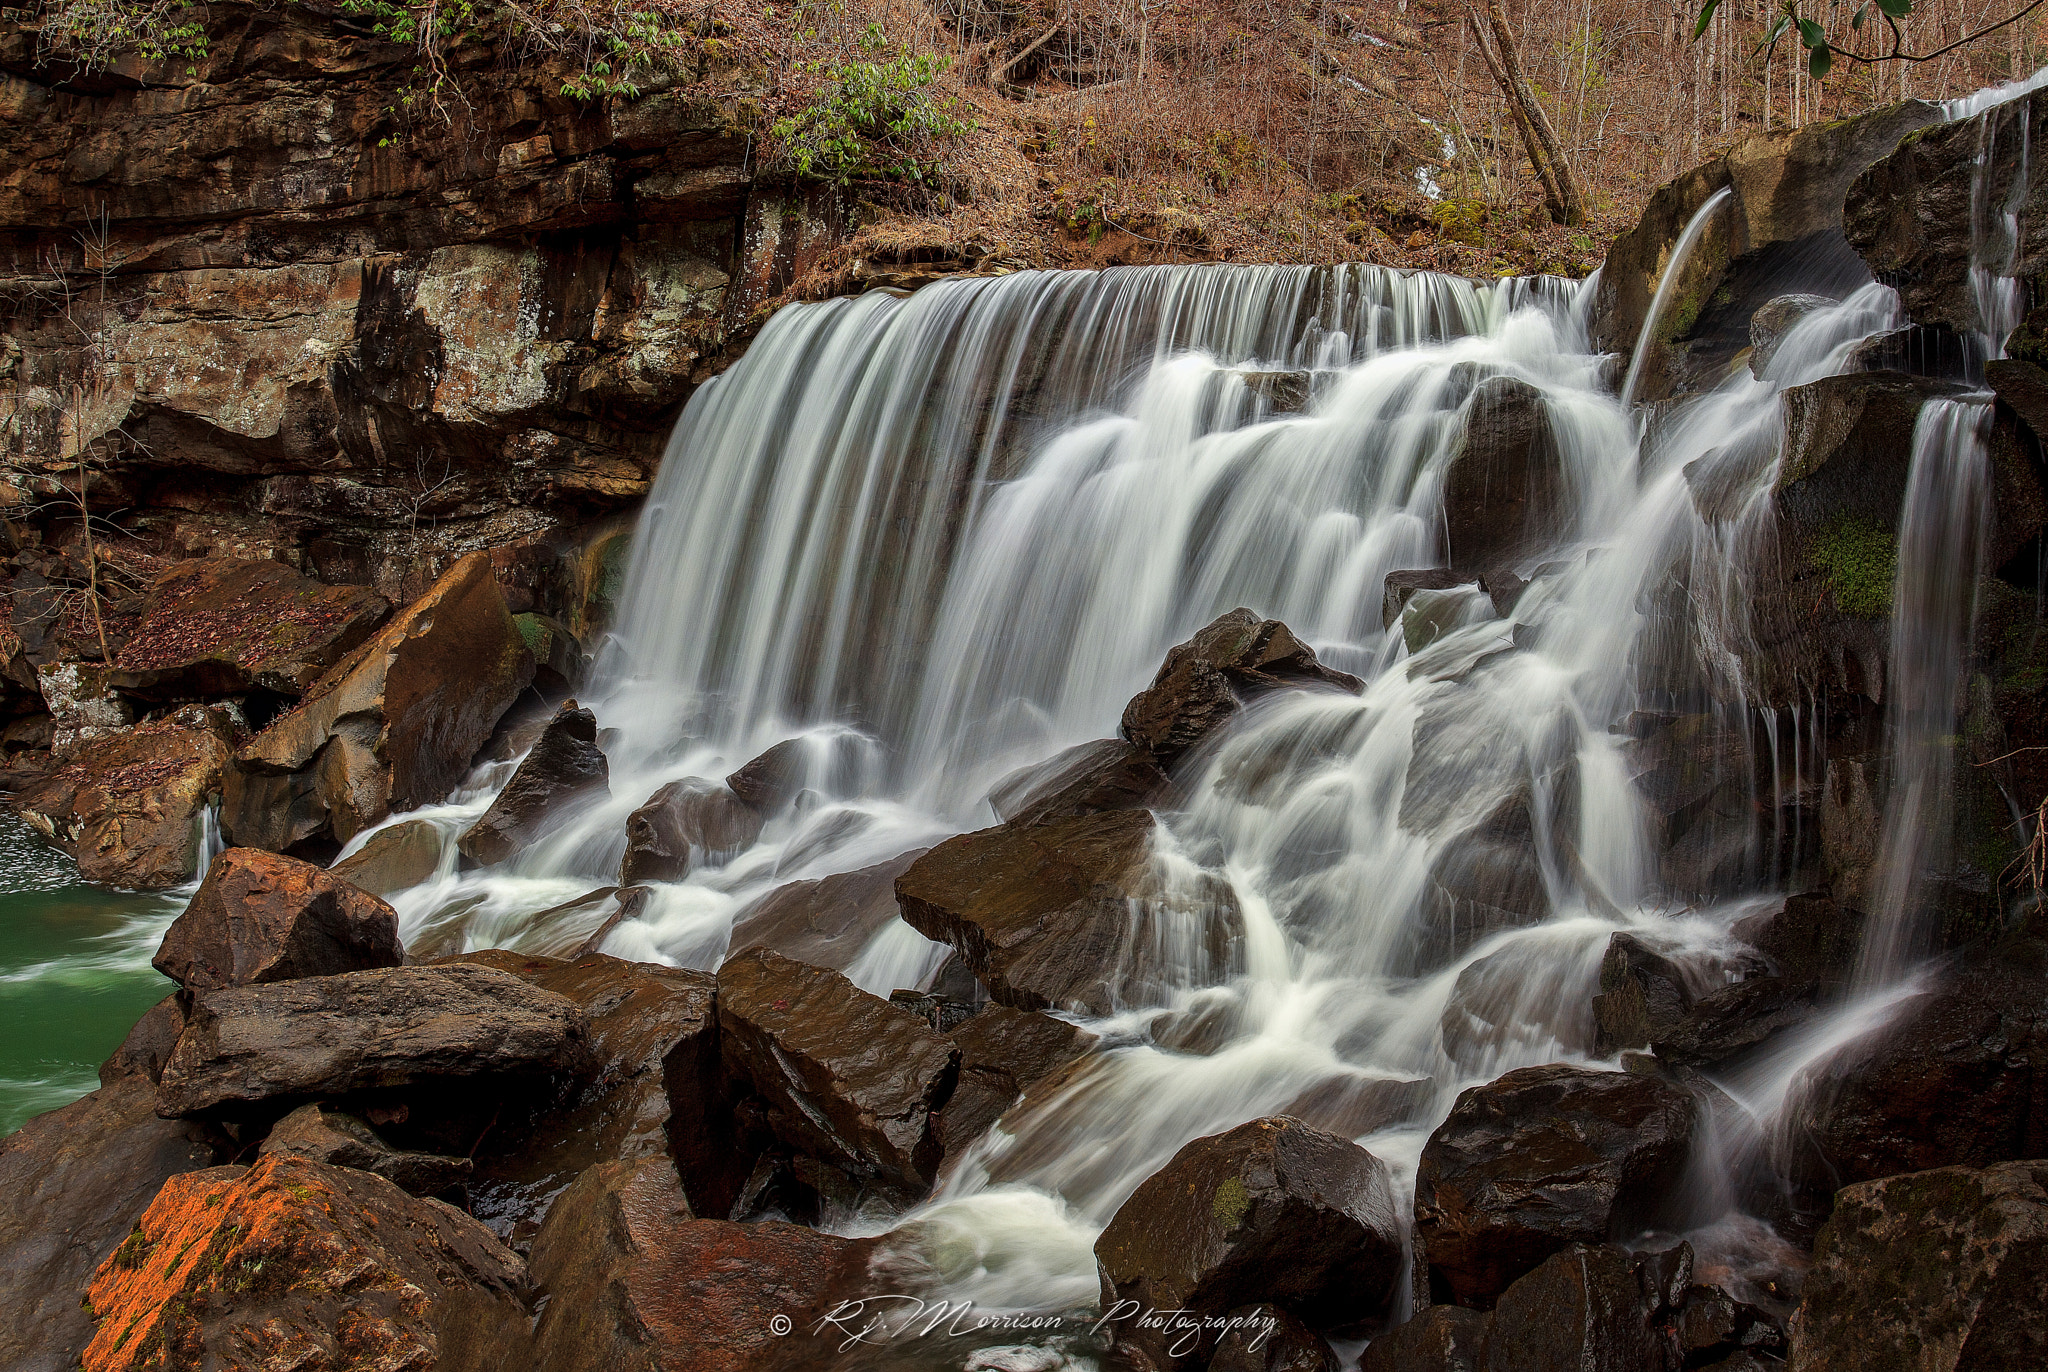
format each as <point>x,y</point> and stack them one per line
<point>1546,153</point>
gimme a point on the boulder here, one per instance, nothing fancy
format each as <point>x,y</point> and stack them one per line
<point>341,1140</point>
<point>1400,588</point>
<point>1204,681</point>
<point>1087,779</point>
<point>1490,878</point>
<point>1580,1310</point>
<point>1537,1160</point>
<point>654,1040</point>
<point>396,1026</point>
<point>773,779</point>
<point>263,917</point>
<point>565,767</point>
<point>148,1045</point>
<point>1773,320</point>
<point>826,922</point>
<point>226,626</point>
<point>1003,1052</point>
<point>1889,1103</point>
<point>1732,1020</point>
<point>1271,1212</point>
<point>685,824</point>
<point>1643,995</point>
<point>636,1284</point>
<point>305,1265</point>
<point>842,1076</point>
<point>131,807</point>
<point>1265,1338</point>
<point>1932,1270</point>
<point>1058,916</point>
<point>1440,1338</point>
<point>1807,937</point>
<point>83,708</point>
<point>1504,490</point>
<point>391,727</point>
<point>395,859</point>
<point>73,1183</point>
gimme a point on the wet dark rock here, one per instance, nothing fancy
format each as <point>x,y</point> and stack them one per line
<point>1731,1020</point>
<point>1808,938</point>
<point>1003,1052</point>
<point>1893,1101</point>
<point>1351,1106</point>
<point>685,824</point>
<point>1504,589</point>
<point>392,1027</point>
<point>261,917</point>
<point>1401,587</point>
<point>1055,916</point>
<point>224,626</point>
<point>1087,779</point>
<point>1265,1338</point>
<point>1440,1338</point>
<point>148,1045</point>
<point>1937,1270</point>
<point>771,780</point>
<point>1285,392</point>
<point>1490,879</point>
<point>327,1265</point>
<point>1580,1310</point>
<point>843,1076</point>
<point>2024,386</point>
<point>1504,491</point>
<point>395,859</point>
<point>341,1140</point>
<point>128,805</point>
<point>1204,681</point>
<point>636,1284</point>
<point>1539,1159</point>
<point>942,1013</point>
<point>73,1183</point>
<point>826,922</point>
<point>653,1038</point>
<point>391,727</point>
<point>1643,995</point>
<point>565,767</point>
<point>1773,320</point>
<point>1269,1212</point>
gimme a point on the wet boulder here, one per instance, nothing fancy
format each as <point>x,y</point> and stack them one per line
<point>340,1139</point>
<point>1537,1160</point>
<point>73,1183</point>
<point>1003,1052</point>
<point>1807,938</point>
<point>1732,1020</point>
<point>1087,779</point>
<point>1057,916</point>
<point>1490,879</point>
<point>131,806</point>
<point>826,922</point>
<point>1643,996</point>
<point>564,768</point>
<point>1400,588</point>
<point>226,626</point>
<point>1889,1103</point>
<point>261,917</point>
<point>1774,319</point>
<point>1581,1310</point>
<point>688,823</point>
<point>148,1045</point>
<point>635,1283</point>
<point>1505,490</point>
<point>1265,1338</point>
<point>771,780</point>
<point>392,1027</point>
<point>841,1076</point>
<point>1204,681</point>
<point>1271,1212</point>
<point>1439,1338</point>
<point>395,859</point>
<point>391,727</point>
<point>1932,1270</point>
<point>654,1045</point>
<point>307,1265</point>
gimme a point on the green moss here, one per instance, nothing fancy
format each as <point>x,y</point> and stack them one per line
<point>533,632</point>
<point>1860,562</point>
<point>133,1252</point>
<point>1231,1203</point>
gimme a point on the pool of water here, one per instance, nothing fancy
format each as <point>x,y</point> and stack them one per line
<point>74,973</point>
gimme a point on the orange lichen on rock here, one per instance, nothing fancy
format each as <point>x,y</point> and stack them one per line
<point>293,1263</point>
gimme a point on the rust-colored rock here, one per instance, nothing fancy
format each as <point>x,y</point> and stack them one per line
<point>1269,1212</point>
<point>149,1044</point>
<point>130,806</point>
<point>296,1263</point>
<point>1003,1052</point>
<point>1204,681</point>
<point>1089,778</point>
<point>394,859</point>
<point>263,917</point>
<point>826,922</point>
<point>1539,1159</point>
<point>220,626</point>
<point>771,780</point>
<point>566,767</point>
<point>339,1138</point>
<point>390,728</point>
<point>843,1076</point>
<point>685,824</point>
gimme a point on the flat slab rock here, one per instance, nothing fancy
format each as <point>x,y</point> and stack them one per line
<point>262,917</point>
<point>398,1026</point>
<point>294,1263</point>
<point>1271,1211</point>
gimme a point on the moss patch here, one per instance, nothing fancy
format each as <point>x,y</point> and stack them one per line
<point>1231,1203</point>
<point>1860,563</point>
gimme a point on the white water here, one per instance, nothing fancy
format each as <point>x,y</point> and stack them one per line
<point>946,535</point>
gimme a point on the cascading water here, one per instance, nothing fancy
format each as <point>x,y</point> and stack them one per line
<point>943,536</point>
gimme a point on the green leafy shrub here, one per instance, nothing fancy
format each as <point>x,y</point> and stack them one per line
<point>875,120</point>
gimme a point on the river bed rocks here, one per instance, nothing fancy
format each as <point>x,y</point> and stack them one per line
<point>565,768</point>
<point>262,917</point>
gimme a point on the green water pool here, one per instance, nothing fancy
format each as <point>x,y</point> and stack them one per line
<point>74,973</point>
